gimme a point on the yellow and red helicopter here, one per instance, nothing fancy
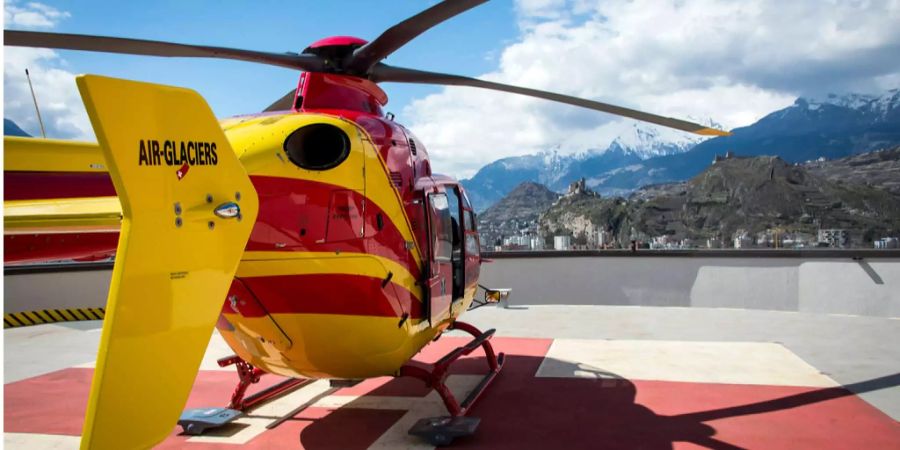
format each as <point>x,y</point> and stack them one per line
<point>313,235</point>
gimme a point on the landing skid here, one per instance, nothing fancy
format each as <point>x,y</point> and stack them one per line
<point>443,430</point>
<point>438,431</point>
<point>248,375</point>
<point>196,421</point>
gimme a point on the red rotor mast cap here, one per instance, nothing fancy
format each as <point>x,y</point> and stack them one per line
<point>338,41</point>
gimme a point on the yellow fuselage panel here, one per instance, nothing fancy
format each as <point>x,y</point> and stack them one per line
<point>335,345</point>
<point>51,155</point>
<point>332,346</point>
<point>259,143</point>
<point>71,215</point>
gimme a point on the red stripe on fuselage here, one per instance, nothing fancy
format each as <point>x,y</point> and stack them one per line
<point>294,216</point>
<point>331,294</point>
<point>45,185</point>
<point>21,248</point>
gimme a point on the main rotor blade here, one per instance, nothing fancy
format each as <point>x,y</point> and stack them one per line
<point>284,103</point>
<point>156,48</point>
<point>398,35</point>
<point>383,72</point>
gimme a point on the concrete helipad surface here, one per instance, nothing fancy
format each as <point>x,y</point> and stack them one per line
<point>575,377</point>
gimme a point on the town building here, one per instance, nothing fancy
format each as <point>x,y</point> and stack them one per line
<point>887,242</point>
<point>742,239</point>
<point>517,242</point>
<point>834,237</point>
<point>562,242</point>
<point>604,239</point>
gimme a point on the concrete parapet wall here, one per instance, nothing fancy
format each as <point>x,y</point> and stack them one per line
<point>55,290</point>
<point>834,286</point>
<point>867,287</point>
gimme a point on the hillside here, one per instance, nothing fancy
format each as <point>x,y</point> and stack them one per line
<point>752,194</point>
<point>880,169</point>
<point>516,212</point>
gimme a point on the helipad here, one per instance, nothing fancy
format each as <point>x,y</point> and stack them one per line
<point>714,350</point>
<point>575,377</point>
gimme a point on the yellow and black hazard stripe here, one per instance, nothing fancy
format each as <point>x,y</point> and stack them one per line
<point>26,318</point>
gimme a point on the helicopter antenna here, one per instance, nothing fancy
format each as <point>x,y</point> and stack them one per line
<point>36,109</point>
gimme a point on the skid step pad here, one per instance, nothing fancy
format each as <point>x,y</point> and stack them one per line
<point>196,421</point>
<point>440,431</point>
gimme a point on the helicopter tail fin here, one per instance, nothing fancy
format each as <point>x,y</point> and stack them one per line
<point>187,210</point>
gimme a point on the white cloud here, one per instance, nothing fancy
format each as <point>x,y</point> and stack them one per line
<point>31,15</point>
<point>731,61</point>
<point>544,9</point>
<point>61,107</point>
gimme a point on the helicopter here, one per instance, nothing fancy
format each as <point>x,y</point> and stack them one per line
<point>314,235</point>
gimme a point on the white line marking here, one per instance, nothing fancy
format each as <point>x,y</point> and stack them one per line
<point>257,419</point>
<point>395,437</point>
<point>40,441</point>
<point>216,349</point>
<point>758,363</point>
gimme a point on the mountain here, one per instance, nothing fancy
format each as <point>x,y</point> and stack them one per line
<point>516,212</point>
<point>832,127</point>
<point>493,181</point>
<point>527,201</point>
<point>732,196</point>
<point>649,141</point>
<point>11,129</point>
<point>635,142</point>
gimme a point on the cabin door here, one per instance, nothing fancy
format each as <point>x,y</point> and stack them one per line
<point>457,261</point>
<point>440,283</point>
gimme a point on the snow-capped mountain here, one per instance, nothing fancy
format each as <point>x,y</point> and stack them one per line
<point>886,105</point>
<point>493,181</point>
<point>549,164</point>
<point>648,141</point>
<point>849,108</point>
<point>876,105</point>
<point>635,143</point>
<point>833,127</point>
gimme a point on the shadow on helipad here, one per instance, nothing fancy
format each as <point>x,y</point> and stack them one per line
<point>599,409</point>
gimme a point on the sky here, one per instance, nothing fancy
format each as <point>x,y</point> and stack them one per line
<point>732,62</point>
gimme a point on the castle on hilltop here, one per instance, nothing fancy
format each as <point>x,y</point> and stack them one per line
<point>728,155</point>
<point>579,188</point>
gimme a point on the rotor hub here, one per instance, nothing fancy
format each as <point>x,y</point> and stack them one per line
<point>335,50</point>
<point>336,41</point>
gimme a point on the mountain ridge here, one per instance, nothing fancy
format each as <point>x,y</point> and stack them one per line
<point>833,127</point>
<point>635,143</point>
